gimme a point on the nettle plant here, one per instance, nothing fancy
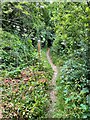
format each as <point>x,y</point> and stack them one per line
<point>73,81</point>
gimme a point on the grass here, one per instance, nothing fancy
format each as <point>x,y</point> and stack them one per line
<point>60,103</point>
<point>45,61</point>
<point>59,106</point>
<point>50,71</point>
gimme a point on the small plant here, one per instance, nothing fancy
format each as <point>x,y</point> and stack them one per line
<point>25,97</point>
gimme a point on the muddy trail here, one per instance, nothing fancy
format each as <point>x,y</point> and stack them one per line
<point>52,85</point>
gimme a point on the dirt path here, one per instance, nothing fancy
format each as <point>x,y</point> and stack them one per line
<point>1,116</point>
<point>53,85</point>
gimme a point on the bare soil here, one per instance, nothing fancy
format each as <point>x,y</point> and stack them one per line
<point>1,116</point>
<point>53,85</point>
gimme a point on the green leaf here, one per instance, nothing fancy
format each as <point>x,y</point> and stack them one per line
<point>84,90</point>
<point>84,107</point>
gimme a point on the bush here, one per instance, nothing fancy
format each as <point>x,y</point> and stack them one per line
<point>73,83</point>
<point>25,97</point>
<point>15,53</point>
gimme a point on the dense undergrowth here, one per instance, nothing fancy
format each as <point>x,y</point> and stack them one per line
<point>25,77</point>
<point>72,91</point>
<point>15,53</point>
<point>69,53</point>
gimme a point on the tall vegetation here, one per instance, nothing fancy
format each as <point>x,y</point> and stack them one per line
<point>27,19</point>
<point>24,76</point>
<point>65,26</point>
<point>70,46</point>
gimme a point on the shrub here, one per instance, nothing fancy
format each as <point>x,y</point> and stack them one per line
<point>15,53</point>
<point>73,83</point>
<point>25,97</point>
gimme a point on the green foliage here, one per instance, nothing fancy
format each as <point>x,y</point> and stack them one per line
<point>15,52</point>
<point>69,52</point>
<point>27,19</point>
<point>70,28</point>
<point>46,64</point>
<point>25,97</point>
<point>23,23</point>
<point>71,85</point>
